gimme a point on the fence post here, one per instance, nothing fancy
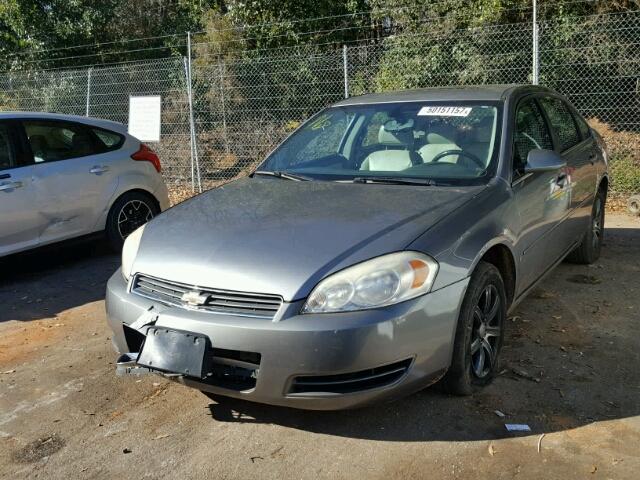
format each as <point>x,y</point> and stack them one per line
<point>86,111</point>
<point>192,126</point>
<point>223,69</point>
<point>345,67</point>
<point>536,45</point>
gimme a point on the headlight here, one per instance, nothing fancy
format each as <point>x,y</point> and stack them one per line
<point>129,251</point>
<point>375,283</point>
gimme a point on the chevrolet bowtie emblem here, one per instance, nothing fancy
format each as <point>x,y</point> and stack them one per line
<point>194,298</point>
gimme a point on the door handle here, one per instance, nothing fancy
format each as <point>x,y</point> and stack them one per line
<point>592,158</point>
<point>10,186</point>
<point>98,169</point>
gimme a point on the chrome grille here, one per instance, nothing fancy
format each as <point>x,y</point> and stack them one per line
<point>213,300</point>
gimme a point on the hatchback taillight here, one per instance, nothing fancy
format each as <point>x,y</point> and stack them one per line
<point>145,154</point>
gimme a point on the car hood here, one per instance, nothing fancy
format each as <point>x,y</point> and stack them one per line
<point>269,235</point>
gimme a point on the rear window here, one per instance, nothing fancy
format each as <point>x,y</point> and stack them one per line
<point>110,140</point>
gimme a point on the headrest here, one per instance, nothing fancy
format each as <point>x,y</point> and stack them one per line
<point>393,134</point>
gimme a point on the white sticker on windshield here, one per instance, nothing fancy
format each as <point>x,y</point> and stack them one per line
<point>445,111</point>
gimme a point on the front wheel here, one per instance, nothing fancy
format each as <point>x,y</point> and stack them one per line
<point>479,333</point>
<point>130,211</point>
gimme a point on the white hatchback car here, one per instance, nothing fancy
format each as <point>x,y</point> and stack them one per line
<point>63,176</point>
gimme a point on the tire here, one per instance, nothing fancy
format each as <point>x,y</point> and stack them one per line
<point>481,323</point>
<point>589,249</point>
<point>137,207</point>
<point>634,205</point>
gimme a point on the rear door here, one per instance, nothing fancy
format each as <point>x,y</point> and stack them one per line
<point>578,150</point>
<point>542,198</point>
<point>69,177</point>
<point>19,220</point>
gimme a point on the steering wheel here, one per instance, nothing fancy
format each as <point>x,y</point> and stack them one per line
<point>461,153</point>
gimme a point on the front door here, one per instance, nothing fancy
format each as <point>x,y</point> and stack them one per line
<point>542,198</point>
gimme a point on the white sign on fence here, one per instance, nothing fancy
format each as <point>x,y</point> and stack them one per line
<point>144,117</point>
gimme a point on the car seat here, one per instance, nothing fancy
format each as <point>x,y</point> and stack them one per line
<point>397,155</point>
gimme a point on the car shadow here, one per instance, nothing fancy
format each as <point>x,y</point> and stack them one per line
<point>44,282</point>
<point>570,359</point>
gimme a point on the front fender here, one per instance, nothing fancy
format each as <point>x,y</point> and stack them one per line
<point>460,241</point>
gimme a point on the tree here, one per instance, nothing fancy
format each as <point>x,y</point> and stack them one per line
<point>36,34</point>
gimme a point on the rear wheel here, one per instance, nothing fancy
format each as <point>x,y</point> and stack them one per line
<point>479,333</point>
<point>589,249</point>
<point>130,211</point>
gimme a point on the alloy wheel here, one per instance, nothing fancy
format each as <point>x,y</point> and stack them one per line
<point>486,331</point>
<point>133,214</point>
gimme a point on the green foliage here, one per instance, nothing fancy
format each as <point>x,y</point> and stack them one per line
<point>39,32</point>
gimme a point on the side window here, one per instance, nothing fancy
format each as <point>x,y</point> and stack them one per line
<point>51,141</point>
<point>7,153</point>
<point>561,120</point>
<point>585,131</point>
<point>530,133</point>
<point>110,140</point>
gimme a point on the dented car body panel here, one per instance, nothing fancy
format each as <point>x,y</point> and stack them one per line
<point>43,201</point>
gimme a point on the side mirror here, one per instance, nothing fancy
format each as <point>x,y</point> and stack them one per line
<point>540,160</point>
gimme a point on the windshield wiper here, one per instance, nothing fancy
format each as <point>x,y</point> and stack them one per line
<point>428,182</point>
<point>284,175</point>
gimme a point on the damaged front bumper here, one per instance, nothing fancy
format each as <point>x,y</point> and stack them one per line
<point>323,361</point>
<point>126,364</point>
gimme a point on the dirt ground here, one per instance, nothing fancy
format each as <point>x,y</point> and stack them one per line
<point>570,370</point>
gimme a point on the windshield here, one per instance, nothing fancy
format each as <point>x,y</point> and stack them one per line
<point>452,142</point>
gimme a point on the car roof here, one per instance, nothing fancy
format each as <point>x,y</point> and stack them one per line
<point>461,93</point>
<point>97,122</point>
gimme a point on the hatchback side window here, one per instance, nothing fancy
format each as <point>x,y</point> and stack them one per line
<point>7,153</point>
<point>51,141</point>
<point>110,140</point>
<point>531,132</point>
<point>562,122</point>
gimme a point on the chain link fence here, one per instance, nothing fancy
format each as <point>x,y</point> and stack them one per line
<point>245,104</point>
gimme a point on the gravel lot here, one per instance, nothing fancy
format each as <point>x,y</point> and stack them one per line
<point>570,370</point>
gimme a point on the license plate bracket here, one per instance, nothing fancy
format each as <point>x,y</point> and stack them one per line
<point>175,351</point>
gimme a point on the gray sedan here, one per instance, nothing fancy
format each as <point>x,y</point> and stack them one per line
<point>376,251</point>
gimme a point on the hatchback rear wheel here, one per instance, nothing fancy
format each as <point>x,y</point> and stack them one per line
<point>479,333</point>
<point>128,213</point>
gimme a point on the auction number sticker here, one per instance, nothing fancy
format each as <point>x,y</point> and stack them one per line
<point>444,111</point>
